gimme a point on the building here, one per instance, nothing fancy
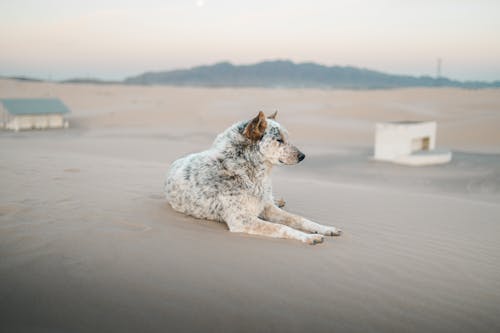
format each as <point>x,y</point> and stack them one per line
<point>33,113</point>
<point>409,142</point>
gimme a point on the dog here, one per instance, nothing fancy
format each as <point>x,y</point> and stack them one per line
<point>231,182</point>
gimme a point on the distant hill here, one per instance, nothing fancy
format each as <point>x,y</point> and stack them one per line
<point>74,80</point>
<point>89,81</point>
<point>21,78</point>
<point>286,74</point>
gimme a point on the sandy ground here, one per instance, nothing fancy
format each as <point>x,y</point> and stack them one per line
<point>88,244</point>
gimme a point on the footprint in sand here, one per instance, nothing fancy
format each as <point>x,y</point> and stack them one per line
<point>12,208</point>
<point>132,226</point>
<point>72,170</point>
<point>156,196</point>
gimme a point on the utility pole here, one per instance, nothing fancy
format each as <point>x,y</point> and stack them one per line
<point>438,68</point>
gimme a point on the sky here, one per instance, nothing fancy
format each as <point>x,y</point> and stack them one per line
<point>113,39</point>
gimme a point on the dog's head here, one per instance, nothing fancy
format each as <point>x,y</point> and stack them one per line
<point>272,140</point>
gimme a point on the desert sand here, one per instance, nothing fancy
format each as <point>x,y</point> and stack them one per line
<point>88,243</point>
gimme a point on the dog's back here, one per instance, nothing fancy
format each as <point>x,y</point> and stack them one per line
<point>198,183</point>
<point>189,186</point>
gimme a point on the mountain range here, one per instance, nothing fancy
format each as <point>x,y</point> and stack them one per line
<point>283,74</point>
<point>287,74</point>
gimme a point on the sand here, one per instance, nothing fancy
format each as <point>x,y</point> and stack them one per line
<point>88,243</point>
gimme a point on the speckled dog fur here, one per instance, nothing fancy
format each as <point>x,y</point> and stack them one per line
<point>231,182</point>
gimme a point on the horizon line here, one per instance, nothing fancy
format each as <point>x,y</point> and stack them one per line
<point>235,64</point>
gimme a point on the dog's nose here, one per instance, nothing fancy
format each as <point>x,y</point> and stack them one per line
<point>301,156</point>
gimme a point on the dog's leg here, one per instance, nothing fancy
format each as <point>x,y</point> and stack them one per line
<point>275,214</point>
<point>256,226</point>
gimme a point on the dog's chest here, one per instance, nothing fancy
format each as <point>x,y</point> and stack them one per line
<point>254,194</point>
<point>254,205</point>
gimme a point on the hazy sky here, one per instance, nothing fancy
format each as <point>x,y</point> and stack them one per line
<point>113,39</point>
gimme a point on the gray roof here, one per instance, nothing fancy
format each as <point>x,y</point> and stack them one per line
<point>21,106</point>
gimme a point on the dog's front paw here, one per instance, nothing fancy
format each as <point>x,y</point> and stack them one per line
<point>328,231</point>
<point>280,203</point>
<point>313,239</point>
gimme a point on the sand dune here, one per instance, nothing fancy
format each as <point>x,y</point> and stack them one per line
<point>87,242</point>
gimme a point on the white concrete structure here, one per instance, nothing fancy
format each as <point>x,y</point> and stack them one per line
<point>408,142</point>
<point>33,113</point>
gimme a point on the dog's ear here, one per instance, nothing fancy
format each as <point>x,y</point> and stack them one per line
<point>273,116</point>
<point>256,127</point>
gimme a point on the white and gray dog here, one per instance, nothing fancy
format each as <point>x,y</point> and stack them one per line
<point>231,182</point>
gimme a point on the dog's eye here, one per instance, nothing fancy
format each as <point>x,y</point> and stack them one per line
<point>280,140</point>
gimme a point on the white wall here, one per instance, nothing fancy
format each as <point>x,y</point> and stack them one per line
<point>397,139</point>
<point>24,122</point>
